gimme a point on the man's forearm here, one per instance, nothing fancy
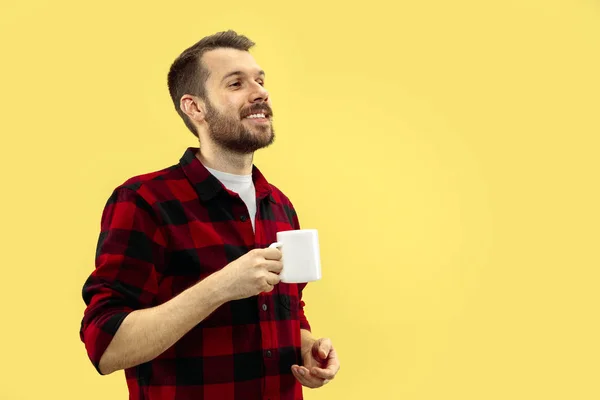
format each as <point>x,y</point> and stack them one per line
<point>145,334</point>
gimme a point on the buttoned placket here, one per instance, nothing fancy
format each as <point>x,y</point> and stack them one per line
<point>268,327</point>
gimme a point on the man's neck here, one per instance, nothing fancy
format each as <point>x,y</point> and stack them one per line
<point>224,161</point>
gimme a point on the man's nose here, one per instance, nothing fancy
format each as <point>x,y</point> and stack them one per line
<point>259,94</point>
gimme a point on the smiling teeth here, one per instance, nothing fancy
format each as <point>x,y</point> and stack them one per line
<point>256,116</point>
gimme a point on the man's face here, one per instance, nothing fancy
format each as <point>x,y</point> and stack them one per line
<point>238,108</point>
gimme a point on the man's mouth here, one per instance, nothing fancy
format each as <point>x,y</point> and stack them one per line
<point>256,116</point>
<point>259,117</point>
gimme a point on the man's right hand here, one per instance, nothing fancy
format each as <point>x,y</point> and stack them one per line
<point>255,272</point>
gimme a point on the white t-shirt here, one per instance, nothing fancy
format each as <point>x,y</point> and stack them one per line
<point>242,185</point>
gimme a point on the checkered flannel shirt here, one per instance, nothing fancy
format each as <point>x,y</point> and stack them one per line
<point>160,234</point>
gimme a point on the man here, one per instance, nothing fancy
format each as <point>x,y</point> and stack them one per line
<point>186,296</point>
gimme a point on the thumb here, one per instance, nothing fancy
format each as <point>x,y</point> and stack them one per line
<point>324,348</point>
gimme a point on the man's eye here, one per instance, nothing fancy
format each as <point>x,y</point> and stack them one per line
<point>235,84</point>
<point>261,83</point>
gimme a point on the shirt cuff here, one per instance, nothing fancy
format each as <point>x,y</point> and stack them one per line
<point>98,334</point>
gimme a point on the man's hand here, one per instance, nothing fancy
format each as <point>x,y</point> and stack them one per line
<point>321,364</point>
<point>255,272</point>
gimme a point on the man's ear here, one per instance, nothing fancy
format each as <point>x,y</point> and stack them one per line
<point>194,107</point>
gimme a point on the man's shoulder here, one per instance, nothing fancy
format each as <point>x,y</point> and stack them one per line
<point>279,196</point>
<point>151,178</point>
<point>153,186</point>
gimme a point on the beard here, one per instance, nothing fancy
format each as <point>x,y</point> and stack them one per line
<point>231,134</point>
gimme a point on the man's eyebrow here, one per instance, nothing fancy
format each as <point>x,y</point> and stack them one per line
<point>229,75</point>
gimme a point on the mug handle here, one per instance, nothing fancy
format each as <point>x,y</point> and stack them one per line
<point>276,244</point>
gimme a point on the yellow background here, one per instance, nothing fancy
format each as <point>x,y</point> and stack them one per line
<point>447,151</point>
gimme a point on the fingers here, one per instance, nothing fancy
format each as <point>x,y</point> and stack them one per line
<point>271,253</point>
<point>273,266</point>
<point>268,281</point>
<point>268,288</point>
<point>272,279</point>
<point>304,376</point>
<point>333,363</point>
<point>328,373</point>
<point>321,348</point>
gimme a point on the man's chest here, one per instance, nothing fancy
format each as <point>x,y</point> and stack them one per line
<point>202,238</point>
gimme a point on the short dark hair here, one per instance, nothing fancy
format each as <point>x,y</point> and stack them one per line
<point>188,75</point>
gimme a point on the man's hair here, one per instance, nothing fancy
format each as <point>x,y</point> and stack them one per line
<point>188,75</point>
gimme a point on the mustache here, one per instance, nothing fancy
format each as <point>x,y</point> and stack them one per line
<point>258,109</point>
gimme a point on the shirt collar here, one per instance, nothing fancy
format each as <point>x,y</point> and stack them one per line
<point>208,186</point>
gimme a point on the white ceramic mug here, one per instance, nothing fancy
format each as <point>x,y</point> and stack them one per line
<point>301,256</point>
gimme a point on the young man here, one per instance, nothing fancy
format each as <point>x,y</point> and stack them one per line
<point>186,296</point>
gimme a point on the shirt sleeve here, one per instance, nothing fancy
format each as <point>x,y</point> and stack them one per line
<point>304,324</point>
<point>130,251</point>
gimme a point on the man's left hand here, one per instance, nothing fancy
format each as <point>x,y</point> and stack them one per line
<point>320,364</point>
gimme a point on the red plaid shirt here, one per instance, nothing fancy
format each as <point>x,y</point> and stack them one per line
<point>160,234</point>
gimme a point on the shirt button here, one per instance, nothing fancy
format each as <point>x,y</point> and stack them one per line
<point>269,354</point>
<point>264,307</point>
<point>243,218</point>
